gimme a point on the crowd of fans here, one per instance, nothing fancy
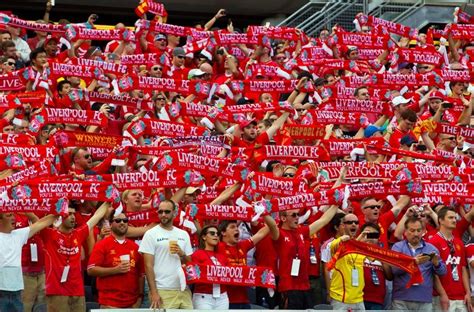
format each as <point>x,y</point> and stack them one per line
<point>156,166</point>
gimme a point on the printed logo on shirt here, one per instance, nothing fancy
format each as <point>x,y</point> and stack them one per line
<point>453,260</point>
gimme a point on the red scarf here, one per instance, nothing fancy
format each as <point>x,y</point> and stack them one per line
<point>29,153</point>
<point>301,201</point>
<point>381,189</point>
<point>230,275</point>
<point>303,132</point>
<point>77,32</point>
<point>11,82</point>
<point>83,71</point>
<point>121,99</point>
<point>353,105</point>
<point>107,67</point>
<point>207,165</point>
<point>163,128</point>
<point>16,22</point>
<point>15,138</point>
<point>85,139</point>
<point>391,27</point>
<point>143,217</point>
<point>398,259</point>
<point>67,116</point>
<point>94,191</point>
<point>456,75</point>
<point>220,212</point>
<point>35,205</point>
<point>317,117</point>
<point>140,59</point>
<point>152,7</point>
<point>360,40</point>
<point>419,55</point>
<point>151,179</point>
<point>40,169</point>
<point>466,132</point>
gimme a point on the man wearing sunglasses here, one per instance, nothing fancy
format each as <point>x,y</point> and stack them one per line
<point>453,288</point>
<point>419,296</point>
<point>294,257</point>
<point>164,249</point>
<point>372,213</point>
<point>177,69</point>
<point>118,266</point>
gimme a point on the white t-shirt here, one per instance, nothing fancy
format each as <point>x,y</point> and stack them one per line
<point>11,277</point>
<point>167,267</point>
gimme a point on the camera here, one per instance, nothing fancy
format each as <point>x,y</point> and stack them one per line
<point>447,105</point>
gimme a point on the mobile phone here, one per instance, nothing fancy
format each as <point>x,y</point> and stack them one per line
<point>447,105</point>
<point>421,147</point>
<point>220,52</point>
<point>373,235</point>
<point>431,255</point>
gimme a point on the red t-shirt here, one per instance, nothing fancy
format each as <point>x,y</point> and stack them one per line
<point>397,135</point>
<point>119,290</point>
<point>265,253</point>
<point>64,249</point>
<point>206,257</point>
<point>373,291</point>
<point>456,260</point>
<point>236,255</point>
<point>291,244</point>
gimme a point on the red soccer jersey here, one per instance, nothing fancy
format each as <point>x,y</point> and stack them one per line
<point>455,260</point>
<point>62,250</point>
<point>374,289</point>
<point>206,257</point>
<point>236,255</point>
<point>397,136</point>
<point>290,245</point>
<point>119,290</point>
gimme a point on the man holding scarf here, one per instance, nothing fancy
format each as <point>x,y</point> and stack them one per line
<point>236,253</point>
<point>294,257</point>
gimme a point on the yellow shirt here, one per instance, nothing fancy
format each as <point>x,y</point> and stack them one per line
<point>341,288</point>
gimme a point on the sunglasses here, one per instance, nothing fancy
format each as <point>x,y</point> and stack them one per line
<point>423,67</point>
<point>119,220</point>
<point>160,212</point>
<point>373,207</point>
<point>9,63</point>
<point>300,109</point>
<point>87,156</point>
<point>212,233</point>
<point>351,222</point>
<point>288,175</point>
<point>155,68</point>
<point>294,215</point>
<point>180,56</point>
<point>160,99</point>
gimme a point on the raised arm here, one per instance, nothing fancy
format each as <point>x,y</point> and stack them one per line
<point>323,221</point>
<point>41,224</point>
<point>99,214</point>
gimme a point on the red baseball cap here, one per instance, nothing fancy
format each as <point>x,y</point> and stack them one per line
<point>246,123</point>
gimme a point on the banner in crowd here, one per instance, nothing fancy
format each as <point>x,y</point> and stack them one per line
<point>230,275</point>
